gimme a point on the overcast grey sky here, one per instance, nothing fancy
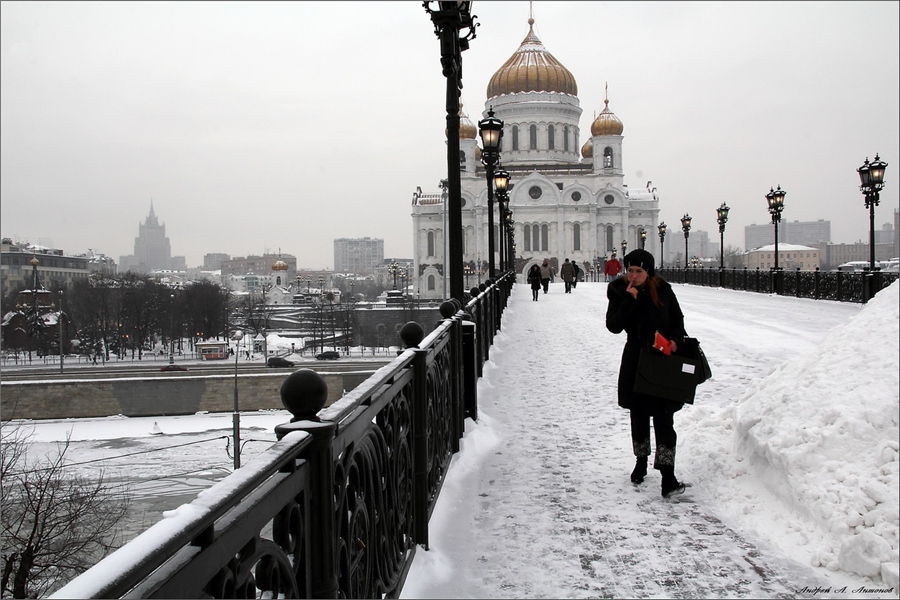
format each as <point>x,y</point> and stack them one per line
<point>258,126</point>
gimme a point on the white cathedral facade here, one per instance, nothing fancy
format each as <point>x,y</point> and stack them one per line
<point>567,201</point>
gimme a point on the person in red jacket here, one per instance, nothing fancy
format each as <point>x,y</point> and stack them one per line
<point>612,268</point>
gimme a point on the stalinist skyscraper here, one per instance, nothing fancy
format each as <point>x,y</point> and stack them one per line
<point>152,251</point>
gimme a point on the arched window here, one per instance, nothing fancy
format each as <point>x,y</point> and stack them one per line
<point>566,138</point>
<point>607,158</point>
<point>515,137</point>
<point>551,134</point>
<point>527,239</point>
<point>278,280</point>
<point>532,135</point>
<point>430,283</point>
<point>610,244</point>
<point>431,243</point>
<point>535,238</point>
<point>462,160</point>
<point>545,238</point>
<point>576,237</point>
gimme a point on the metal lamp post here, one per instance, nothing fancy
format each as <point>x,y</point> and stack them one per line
<point>59,324</point>
<point>237,336</point>
<point>662,238</point>
<point>643,238</point>
<point>491,131</point>
<point>871,178</point>
<point>775,199</point>
<point>172,329</point>
<point>501,184</point>
<point>722,218</point>
<point>624,248</point>
<point>686,228</point>
<point>449,20</point>
<point>393,269</point>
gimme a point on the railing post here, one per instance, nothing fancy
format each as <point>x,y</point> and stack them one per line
<point>304,393</point>
<point>840,285</point>
<point>470,371</point>
<point>450,310</point>
<point>817,276</point>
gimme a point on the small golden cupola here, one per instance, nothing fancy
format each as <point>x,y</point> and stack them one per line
<point>467,129</point>
<point>607,123</point>
<point>587,151</point>
<point>280,265</point>
<point>532,68</point>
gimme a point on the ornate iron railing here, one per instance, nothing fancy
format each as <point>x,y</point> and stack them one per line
<point>828,285</point>
<point>338,505</point>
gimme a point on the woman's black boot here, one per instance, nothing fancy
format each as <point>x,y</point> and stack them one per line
<point>670,485</point>
<point>640,470</point>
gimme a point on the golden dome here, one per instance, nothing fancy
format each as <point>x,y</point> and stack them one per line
<point>467,129</point>
<point>280,265</point>
<point>606,122</point>
<point>587,151</point>
<point>532,69</point>
<point>34,261</point>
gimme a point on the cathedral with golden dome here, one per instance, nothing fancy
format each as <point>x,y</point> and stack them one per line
<point>568,198</point>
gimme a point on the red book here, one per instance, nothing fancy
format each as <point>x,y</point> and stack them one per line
<point>662,344</point>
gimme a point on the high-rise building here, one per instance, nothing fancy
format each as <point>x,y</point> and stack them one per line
<point>360,256</point>
<point>152,251</point>
<point>568,201</point>
<point>803,233</point>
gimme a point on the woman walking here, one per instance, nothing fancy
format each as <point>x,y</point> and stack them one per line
<point>642,304</point>
<point>534,278</point>
<point>546,274</point>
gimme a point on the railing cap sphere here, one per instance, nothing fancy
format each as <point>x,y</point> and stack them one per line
<point>304,393</point>
<point>481,288</point>
<point>448,309</point>
<point>412,334</point>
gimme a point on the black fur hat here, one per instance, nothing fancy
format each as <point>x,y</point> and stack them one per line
<point>642,259</point>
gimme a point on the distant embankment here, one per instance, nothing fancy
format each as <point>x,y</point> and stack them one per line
<point>153,396</point>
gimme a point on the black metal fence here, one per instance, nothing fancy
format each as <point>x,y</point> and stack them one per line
<point>828,285</point>
<point>338,506</point>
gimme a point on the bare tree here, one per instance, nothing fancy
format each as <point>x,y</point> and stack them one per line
<point>55,525</point>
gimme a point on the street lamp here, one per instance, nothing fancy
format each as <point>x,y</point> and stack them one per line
<point>871,177</point>
<point>643,238</point>
<point>775,199</point>
<point>237,336</point>
<point>449,20</point>
<point>624,248</point>
<point>491,130</point>
<point>59,324</point>
<point>393,269</point>
<point>662,238</point>
<point>172,329</point>
<point>308,280</point>
<point>722,218</point>
<point>686,228</point>
<point>501,183</point>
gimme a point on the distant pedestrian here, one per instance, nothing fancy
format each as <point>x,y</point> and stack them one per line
<point>612,268</point>
<point>577,274</point>
<point>642,304</point>
<point>546,274</point>
<point>567,272</point>
<point>534,279</point>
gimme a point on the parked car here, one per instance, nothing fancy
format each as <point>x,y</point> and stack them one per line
<point>173,367</point>
<point>278,361</point>
<point>328,355</point>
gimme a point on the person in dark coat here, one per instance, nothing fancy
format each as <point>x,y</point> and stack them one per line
<point>567,272</point>
<point>640,304</point>
<point>534,278</point>
<point>577,270</point>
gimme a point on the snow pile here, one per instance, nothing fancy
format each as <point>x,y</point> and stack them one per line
<point>821,434</point>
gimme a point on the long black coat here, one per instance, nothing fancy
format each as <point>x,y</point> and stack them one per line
<point>640,319</point>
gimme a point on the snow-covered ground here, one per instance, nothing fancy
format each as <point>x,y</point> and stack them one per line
<point>791,450</point>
